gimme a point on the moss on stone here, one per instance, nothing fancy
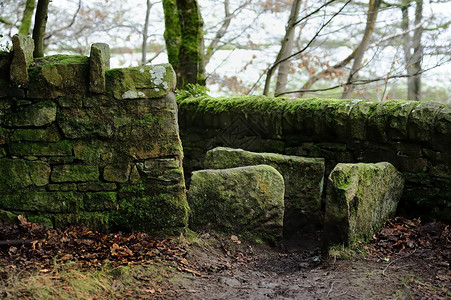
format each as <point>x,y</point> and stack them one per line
<point>151,213</point>
<point>360,198</point>
<point>7,216</point>
<point>99,201</point>
<point>74,173</point>
<point>43,219</point>
<point>61,148</point>
<point>47,202</point>
<point>140,82</point>
<point>59,59</point>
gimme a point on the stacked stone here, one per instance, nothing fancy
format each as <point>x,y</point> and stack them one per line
<point>413,136</point>
<point>81,144</point>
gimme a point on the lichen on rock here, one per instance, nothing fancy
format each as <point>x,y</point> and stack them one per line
<point>244,200</point>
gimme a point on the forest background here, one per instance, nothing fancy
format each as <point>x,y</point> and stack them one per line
<point>372,50</point>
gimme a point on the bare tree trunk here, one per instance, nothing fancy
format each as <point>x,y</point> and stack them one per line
<point>373,9</point>
<point>25,24</point>
<point>279,60</point>
<point>221,32</point>
<point>145,34</point>
<point>40,22</point>
<point>413,50</point>
<point>287,48</point>
<point>313,79</point>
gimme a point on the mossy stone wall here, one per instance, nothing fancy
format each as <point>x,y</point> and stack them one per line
<point>414,136</point>
<point>107,158</point>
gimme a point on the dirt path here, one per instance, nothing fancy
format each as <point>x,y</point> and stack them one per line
<point>259,272</point>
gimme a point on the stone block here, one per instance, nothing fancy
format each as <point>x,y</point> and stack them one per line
<point>62,148</point>
<point>49,134</point>
<point>359,118</point>
<point>245,200</point>
<point>359,199</point>
<point>36,115</point>
<point>99,63</point>
<point>99,201</point>
<point>48,202</point>
<point>78,123</point>
<point>96,186</point>
<point>16,174</point>
<point>442,133</point>
<point>303,179</point>
<point>140,82</point>
<point>118,174</point>
<point>74,173</point>
<point>58,75</point>
<point>22,57</point>
<point>421,121</point>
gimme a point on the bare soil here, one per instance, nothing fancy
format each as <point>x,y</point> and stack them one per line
<point>260,272</point>
<point>405,260</point>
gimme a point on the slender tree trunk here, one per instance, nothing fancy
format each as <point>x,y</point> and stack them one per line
<point>145,34</point>
<point>313,79</point>
<point>287,48</point>
<point>413,50</point>
<point>373,9</point>
<point>40,22</point>
<point>25,24</point>
<point>191,65</point>
<point>221,32</point>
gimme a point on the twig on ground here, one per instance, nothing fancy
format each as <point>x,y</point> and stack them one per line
<point>395,260</point>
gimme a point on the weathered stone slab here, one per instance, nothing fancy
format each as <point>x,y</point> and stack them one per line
<point>140,82</point>
<point>49,134</point>
<point>61,148</point>
<point>19,173</point>
<point>58,75</point>
<point>22,57</point>
<point>246,200</point>
<point>49,202</point>
<point>119,174</point>
<point>303,179</point>
<point>74,173</point>
<point>360,198</point>
<point>421,121</point>
<point>99,201</point>
<point>35,115</point>
<point>99,62</point>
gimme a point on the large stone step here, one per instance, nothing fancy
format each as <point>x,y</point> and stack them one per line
<point>303,179</point>
<point>245,200</point>
<point>359,199</point>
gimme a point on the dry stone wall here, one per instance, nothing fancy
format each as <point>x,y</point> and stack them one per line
<point>413,136</point>
<point>81,144</point>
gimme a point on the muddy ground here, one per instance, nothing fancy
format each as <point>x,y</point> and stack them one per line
<point>261,272</point>
<point>405,260</point>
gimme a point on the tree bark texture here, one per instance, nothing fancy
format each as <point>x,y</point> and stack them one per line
<point>40,22</point>
<point>184,40</point>
<point>145,34</point>
<point>172,34</point>
<point>373,9</point>
<point>25,24</point>
<point>191,65</point>
<point>413,49</point>
<point>287,48</point>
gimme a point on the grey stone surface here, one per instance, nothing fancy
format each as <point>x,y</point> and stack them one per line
<point>303,179</point>
<point>245,200</point>
<point>22,57</point>
<point>99,62</point>
<point>360,198</point>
